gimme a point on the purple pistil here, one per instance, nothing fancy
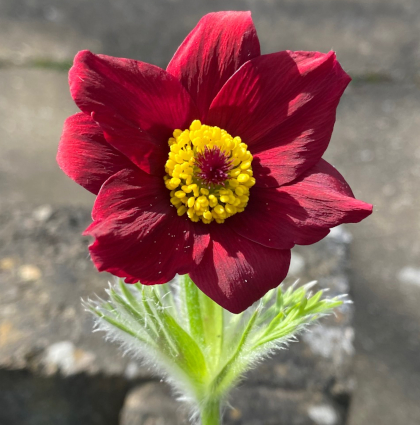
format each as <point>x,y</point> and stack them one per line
<point>213,165</point>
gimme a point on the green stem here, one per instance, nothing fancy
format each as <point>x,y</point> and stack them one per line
<point>210,413</point>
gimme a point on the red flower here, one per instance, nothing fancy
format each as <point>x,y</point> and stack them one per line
<point>153,217</point>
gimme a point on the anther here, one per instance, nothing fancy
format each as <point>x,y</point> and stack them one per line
<point>209,173</point>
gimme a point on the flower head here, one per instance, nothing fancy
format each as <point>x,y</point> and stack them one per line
<point>212,167</point>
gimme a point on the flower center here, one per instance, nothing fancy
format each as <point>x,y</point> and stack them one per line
<point>209,173</point>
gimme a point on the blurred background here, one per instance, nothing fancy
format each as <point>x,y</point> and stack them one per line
<point>375,145</point>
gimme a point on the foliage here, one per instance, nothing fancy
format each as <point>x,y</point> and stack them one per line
<point>202,349</point>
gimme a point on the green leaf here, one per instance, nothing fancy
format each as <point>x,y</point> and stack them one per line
<point>230,372</point>
<point>274,323</point>
<point>212,321</point>
<point>193,311</point>
<point>279,298</point>
<point>314,300</point>
<point>165,339</point>
<point>189,356</point>
<point>129,296</point>
<point>118,325</point>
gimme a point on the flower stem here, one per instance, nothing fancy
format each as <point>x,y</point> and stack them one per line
<point>210,413</point>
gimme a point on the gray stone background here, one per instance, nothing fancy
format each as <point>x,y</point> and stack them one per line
<point>375,145</point>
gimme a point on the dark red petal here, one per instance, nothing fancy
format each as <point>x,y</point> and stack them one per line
<point>136,104</point>
<point>84,154</point>
<point>138,235</point>
<point>283,106</point>
<point>219,44</point>
<point>236,272</point>
<point>301,212</point>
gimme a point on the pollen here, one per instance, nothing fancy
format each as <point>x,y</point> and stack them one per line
<point>208,173</point>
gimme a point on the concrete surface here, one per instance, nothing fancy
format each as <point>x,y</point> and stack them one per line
<point>375,144</point>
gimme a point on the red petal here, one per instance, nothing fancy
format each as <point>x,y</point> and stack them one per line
<point>283,106</point>
<point>301,212</point>
<point>219,44</point>
<point>136,104</point>
<point>236,272</point>
<point>138,235</point>
<point>84,154</point>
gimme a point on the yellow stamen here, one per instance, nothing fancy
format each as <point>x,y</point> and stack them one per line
<point>188,193</point>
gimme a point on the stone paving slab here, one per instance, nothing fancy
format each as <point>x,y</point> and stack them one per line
<point>373,38</point>
<point>377,149</point>
<point>33,106</point>
<point>35,42</point>
<point>152,404</point>
<point>45,270</point>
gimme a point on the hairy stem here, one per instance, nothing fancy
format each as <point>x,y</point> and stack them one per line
<point>210,413</point>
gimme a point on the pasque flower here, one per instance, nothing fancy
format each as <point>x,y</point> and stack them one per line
<point>212,167</point>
